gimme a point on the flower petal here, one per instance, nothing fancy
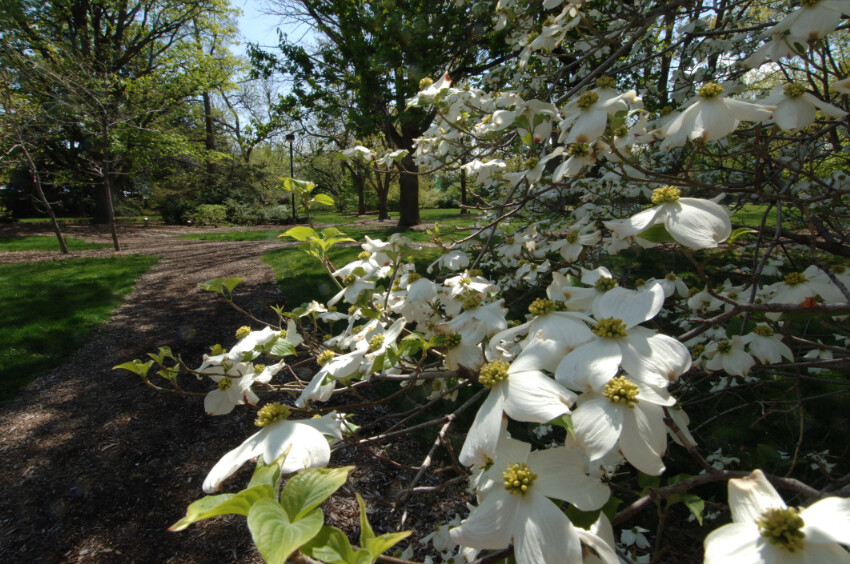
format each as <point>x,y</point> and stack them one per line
<point>697,224</point>
<point>630,306</point>
<point>542,533</point>
<point>590,366</point>
<point>827,521</point>
<point>309,448</point>
<point>749,497</point>
<point>735,542</point>
<point>483,435</point>
<point>489,525</point>
<point>597,424</point>
<point>230,462</point>
<point>534,397</point>
<point>561,475</point>
<point>644,438</point>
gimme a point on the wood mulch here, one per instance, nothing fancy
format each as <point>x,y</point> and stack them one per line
<point>95,465</point>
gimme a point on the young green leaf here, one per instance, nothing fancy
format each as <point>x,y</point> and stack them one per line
<point>695,504</point>
<point>282,348</point>
<point>323,199</point>
<point>275,535</point>
<point>331,546</point>
<point>136,367</point>
<point>300,233</point>
<point>224,504</point>
<point>307,489</point>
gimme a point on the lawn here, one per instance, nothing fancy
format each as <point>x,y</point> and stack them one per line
<point>49,309</point>
<point>448,219</point>
<point>752,214</point>
<point>45,243</point>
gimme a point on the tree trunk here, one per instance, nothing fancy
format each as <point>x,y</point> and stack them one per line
<point>409,194</point>
<point>107,189</point>
<point>463,209</point>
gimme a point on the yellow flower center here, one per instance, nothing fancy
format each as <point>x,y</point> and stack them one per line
<point>605,81</point>
<point>224,384</point>
<point>376,342</point>
<point>324,357</point>
<point>518,478</point>
<point>724,347</point>
<point>763,330</point>
<point>425,83</point>
<point>493,372</point>
<point>465,281</point>
<point>364,255</point>
<point>349,280</point>
<point>621,390</point>
<point>243,332</point>
<point>572,237</point>
<point>698,350</point>
<point>710,90</point>
<point>258,368</point>
<point>470,300</point>
<point>586,100</point>
<point>783,528</point>
<point>640,282</point>
<point>795,278</point>
<point>671,277</point>
<point>610,328</point>
<point>665,194</point>
<point>579,150</point>
<point>542,306</point>
<point>476,272</point>
<point>794,90</point>
<point>453,340</point>
<point>604,284</point>
<point>271,413</point>
<point>413,277</point>
<point>216,350</point>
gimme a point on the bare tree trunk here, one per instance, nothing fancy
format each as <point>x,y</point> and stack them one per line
<point>408,194</point>
<point>463,209</point>
<point>107,189</point>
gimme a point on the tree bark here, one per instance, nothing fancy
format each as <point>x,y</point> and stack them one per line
<point>409,194</point>
<point>463,209</point>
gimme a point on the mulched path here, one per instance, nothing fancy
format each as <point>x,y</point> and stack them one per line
<point>95,465</point>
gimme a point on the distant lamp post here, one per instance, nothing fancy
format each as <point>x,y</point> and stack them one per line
<point>291,138</point>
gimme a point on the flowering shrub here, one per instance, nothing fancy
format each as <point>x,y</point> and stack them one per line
<point>613,148</point>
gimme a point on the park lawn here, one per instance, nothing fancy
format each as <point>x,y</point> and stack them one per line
<point>751,215</point>
<point>45,243</point>
<point>49,309</point>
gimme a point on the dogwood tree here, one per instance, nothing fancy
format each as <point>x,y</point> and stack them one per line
<point>607,290</point>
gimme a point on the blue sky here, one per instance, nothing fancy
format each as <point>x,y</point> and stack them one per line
<point>255,27</point>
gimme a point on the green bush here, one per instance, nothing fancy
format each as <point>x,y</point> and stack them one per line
<point>209,214</point>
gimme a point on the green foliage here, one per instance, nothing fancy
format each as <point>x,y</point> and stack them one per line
<point>45,243</point>
<point>49,309</point>
<point>209,215</point>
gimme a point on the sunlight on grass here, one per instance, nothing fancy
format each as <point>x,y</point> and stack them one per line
<point>49,309</point>
<point>45,243</point>
<point>751,216</point>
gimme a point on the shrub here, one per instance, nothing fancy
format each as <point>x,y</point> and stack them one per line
<point>209,214</point>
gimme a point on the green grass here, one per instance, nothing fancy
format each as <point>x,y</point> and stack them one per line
<point>49,309</point>
<point>751,215</point>
<point>119,219</point>
<point>45,243</point>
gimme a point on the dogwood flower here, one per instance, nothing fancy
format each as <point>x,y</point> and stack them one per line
<point>305,440</point>
<point>766,345</point>
<point>692,222</point>
<point>764,529</point>
<point>796,108</point>
<point>814,19</point>
<point>710,117</point>
<point>517,508</point>
<point>233,387</point>
<point>519,390</point>
<point>729,356</point>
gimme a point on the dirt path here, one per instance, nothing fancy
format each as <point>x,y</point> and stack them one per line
<point>95,465</point>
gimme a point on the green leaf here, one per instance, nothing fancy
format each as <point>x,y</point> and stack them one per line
<point>330,545</point>
<point>331,232</point>
<point>323,199</point>
<point>136,367</point>
<point>224,504</point>
<point>646,482</point>
<point>211,285</point>
<point>232,282</point>
<point>300,233</point>
<point>565,421</point>
<point>282,348</point>
<point>379,545</point>
<point>366,531</point>
<point>695,504</point>
<point>275,535</point>
<point>309,488</point>
<point>583,519</point>
<point>266,475</point>
<point>656,234</point>
<point>610,508</point>
<point>740,232</point>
